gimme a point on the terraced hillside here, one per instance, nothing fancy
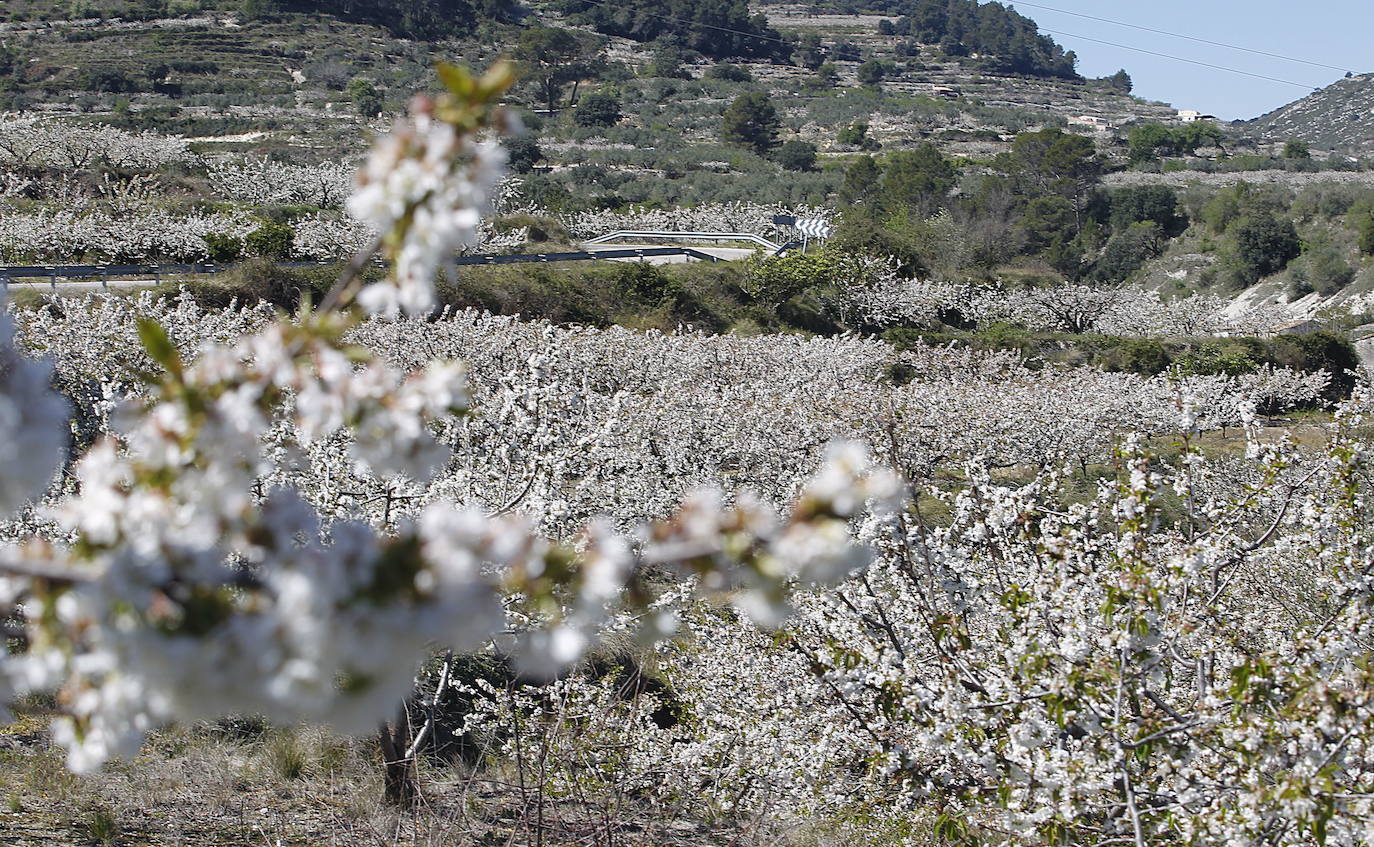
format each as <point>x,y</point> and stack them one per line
<point>213,75</point>
<point>218,73</point>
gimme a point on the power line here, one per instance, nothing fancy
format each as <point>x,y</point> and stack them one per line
<point>1181,35</point>
<point>1302,85</point>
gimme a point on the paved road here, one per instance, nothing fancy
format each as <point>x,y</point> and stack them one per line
<point>729,254</point>
<point>726,253</point>
<point>70,287</point>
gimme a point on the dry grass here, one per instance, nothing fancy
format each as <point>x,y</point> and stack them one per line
<point>210,786</point>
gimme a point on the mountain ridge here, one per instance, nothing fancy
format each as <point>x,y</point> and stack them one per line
<point>1338,117</point>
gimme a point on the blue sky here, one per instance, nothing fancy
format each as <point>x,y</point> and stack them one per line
<point>1330,32</point>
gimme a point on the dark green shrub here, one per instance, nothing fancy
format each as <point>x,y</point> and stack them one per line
<point>1232,357</point>
<point>1325,269</point>
<point>523,152</point>
<point>1328,351</point>
<point>259,279</point>
<point>872,72</point>
<point>223,249</point>
<point>270,241</point>
<point>367,100</point>
<point>597,109</point>
<point>641,280</point>
<point>1127,251</point>
<point>1157,203</point>
<point>797,155</point>
<point>775,280</point>
<point>810,310</point>
<point>729,73</point>
<point>1365,227</point>
<point>856,135</point>
<point>751,121</point>
<point>1266,244</point>
<point>1144,356</point>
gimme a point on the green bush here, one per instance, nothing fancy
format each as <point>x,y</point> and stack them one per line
<point>797,155</point>
<point>1365,229</point>
<point>773,280</point>
<point>1328,351</point>
<point>1213,358</point>
<point>707,296</point>
<point>1265,244</point>
<point>1325,269</point>
<point>1127,251</point>
<point>729,73</point>
<point>523,152</point>
<point>811,310</point>
<point>272,240</point>
<point>641,280</point>
<point>872,72</point>
<point>223,249</point>
<point>1144,356</point>
<point>597,109</point>
<point>751,121</point>
<point>367,100</point>
<point>1157,203</point>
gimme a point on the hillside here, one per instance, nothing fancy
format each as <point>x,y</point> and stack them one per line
<point>1338,117</point>
<point>219,71</point>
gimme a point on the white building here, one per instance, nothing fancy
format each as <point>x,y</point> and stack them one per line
<point>1092,122</point>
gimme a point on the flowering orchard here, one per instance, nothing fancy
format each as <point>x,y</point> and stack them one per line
<point>882,298</point>
<point>1039,606</point>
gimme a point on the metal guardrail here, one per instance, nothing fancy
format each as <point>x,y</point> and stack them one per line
<point>105,272</point>
<point>687,236</point>
<point>53,273</point>
<point>588,255</point>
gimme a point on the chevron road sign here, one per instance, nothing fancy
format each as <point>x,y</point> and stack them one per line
<point>813,227</point>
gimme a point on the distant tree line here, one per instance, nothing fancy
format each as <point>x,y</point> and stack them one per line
<point>418,19</point>
<point>1004,40</point>
<point>1011,42</point>
<point>717,28</point>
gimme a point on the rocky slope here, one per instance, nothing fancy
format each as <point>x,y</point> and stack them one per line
<point>1338,117</point>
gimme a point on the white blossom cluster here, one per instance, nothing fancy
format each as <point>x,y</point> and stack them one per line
<point>324,236</point>
<point>428,185</point>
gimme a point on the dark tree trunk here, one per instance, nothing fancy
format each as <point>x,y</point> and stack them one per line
<point>398,768</point>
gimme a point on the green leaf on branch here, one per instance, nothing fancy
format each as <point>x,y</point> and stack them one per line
<point>158,346</point>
